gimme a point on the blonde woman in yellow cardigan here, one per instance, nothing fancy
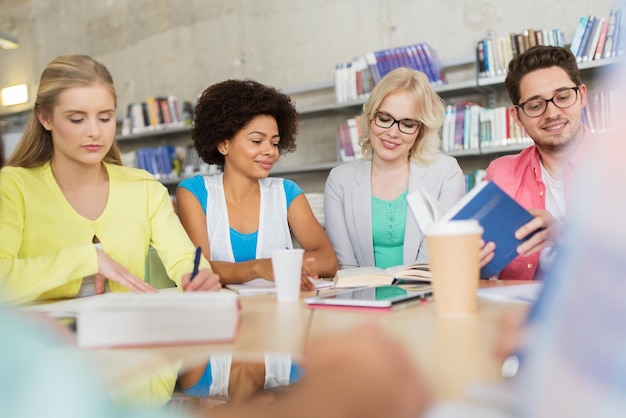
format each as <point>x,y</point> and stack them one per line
<point>73,221</point>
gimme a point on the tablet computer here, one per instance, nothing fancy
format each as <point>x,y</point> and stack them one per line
<point>371,297</point>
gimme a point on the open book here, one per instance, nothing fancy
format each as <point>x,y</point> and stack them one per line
<point>261,286</point>
<point>374,276</point>
<point>498,214</point>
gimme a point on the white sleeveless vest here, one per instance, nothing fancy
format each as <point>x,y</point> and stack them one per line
<point>273,231</point>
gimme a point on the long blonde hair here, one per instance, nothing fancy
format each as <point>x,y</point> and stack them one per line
<point>426,149</point>
<point>35,148</point>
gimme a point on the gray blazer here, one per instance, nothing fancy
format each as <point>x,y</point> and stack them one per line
<point>348,208</point>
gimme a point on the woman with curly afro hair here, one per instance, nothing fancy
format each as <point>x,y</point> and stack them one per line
<point>240,216</point>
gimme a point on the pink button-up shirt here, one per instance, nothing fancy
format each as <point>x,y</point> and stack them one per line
<point>520,176</point>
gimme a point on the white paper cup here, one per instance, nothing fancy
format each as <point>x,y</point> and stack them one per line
<point>287,266</point>
<point>453,250</point>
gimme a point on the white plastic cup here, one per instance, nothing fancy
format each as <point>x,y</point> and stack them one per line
<point>287,267</point>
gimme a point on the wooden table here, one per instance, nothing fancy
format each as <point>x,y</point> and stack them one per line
<point>450,352</point>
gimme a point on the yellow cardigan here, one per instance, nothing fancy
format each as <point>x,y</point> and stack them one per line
<point>46,246</point>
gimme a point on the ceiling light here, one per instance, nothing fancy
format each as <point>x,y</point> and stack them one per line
<point>8,42</point>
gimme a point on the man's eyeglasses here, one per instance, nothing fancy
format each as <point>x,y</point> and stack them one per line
<point>406,126</point>
<point>563,99</point>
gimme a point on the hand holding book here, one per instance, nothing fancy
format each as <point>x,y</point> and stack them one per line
<point>499,215</point>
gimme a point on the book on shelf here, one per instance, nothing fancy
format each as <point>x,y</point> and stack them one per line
<point>161,161</point>
<point>262,286</point>
<point>348,144</point>
<point>617,49</point>
<point>493,53</point>
<point>610,33</point>
<point>468,126</point>
<point>191,161</point>
<point>439,74</point>
<point>354,80</point>
<point>498,214</point>
<point>578,35</point>
<point>418,273</point>
<point>344,147</point>
<point>481,63</point>
<point>601,39</point>
<point>166,116</point>
<point>584,43</point>
<point>599,114</point>
<point>594,37</point>
<point>156,112</point>
<point>168,317</point>
<point>597,37</point>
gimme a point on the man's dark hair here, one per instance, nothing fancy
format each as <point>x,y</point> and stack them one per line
<point>536,58</point>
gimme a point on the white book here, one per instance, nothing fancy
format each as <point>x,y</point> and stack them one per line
<point>164,318</point>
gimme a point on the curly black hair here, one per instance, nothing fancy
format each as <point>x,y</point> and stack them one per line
<point>225,108</point>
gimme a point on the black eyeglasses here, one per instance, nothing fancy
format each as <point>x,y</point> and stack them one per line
<point>563,99</point>
<point>406,126</point>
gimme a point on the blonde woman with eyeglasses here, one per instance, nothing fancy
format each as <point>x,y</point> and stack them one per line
<point>365,200</point>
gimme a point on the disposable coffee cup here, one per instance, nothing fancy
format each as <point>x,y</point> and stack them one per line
<point>287,267</point>
<point>453,249</point>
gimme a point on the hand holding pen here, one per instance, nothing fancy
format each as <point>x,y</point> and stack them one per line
<point>200,279</point>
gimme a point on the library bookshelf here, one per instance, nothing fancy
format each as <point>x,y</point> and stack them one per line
<point>320,115</point>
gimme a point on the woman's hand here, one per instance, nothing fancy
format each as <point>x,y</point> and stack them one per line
<point>204,281</point>
<point>264,267</point>
<point>112,270</point>
<point>307,270</point>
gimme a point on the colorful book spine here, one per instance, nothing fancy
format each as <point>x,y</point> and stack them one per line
<point>584,43</point>
<point>617,47</point>
<point>601,39</point>
<point>578,35</point>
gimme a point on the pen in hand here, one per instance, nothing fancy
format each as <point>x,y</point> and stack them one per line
<point>196,263</point>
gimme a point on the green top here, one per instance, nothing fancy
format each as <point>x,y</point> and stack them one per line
<point>388,223</point>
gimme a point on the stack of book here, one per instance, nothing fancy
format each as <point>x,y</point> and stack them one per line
<point>494,53</point>
<point>355,79</point>
<point>471,127</point>
<point>598,37</point>
<point>348,134</point>
<point>474,178</point>
<point>193,164</point>
<point>157,112</point>
<point>162,162</point>
<point>600,114</point>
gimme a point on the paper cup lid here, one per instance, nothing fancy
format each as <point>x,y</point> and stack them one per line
<point>465,227</point>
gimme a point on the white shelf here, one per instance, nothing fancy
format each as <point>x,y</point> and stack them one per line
<point>155,133</point>
<point>306,168</point>
<point>583,66</point>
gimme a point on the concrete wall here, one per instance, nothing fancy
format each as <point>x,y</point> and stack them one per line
<point>181,46</point>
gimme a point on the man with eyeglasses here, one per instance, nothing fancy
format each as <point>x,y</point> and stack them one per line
<point>545,87</point>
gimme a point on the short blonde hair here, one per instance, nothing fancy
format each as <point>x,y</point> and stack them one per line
<point>427,147</point>
<point>65,72</point>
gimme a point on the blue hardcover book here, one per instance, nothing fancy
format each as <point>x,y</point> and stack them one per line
<point>584,43</point>
<point>427,67</point>
<point>498,214</point>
